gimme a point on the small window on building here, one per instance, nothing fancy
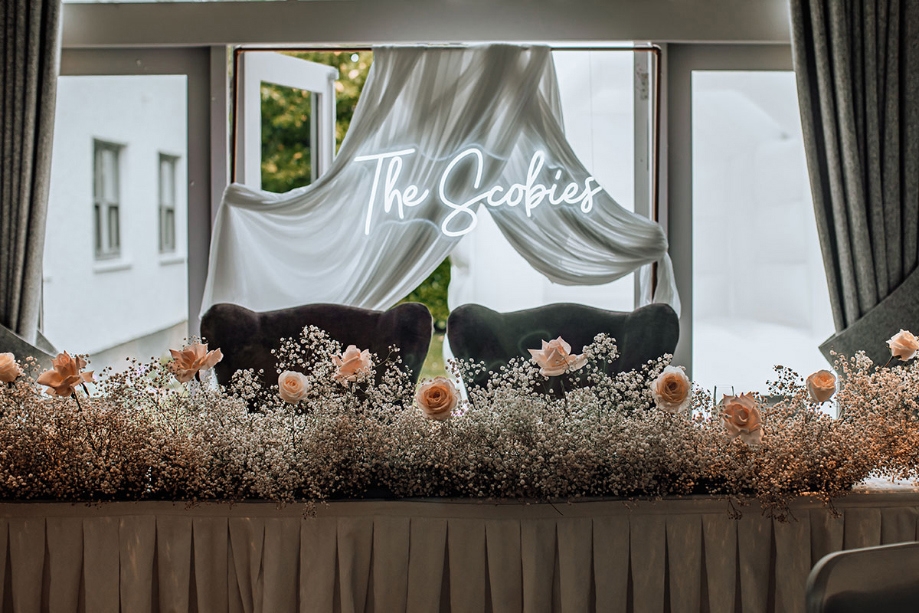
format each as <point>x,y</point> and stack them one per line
<point>106,199</point>
<point>167,200</point>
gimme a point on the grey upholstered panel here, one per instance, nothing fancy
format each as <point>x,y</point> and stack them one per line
<point>247,337</point>
<point>481,334</point>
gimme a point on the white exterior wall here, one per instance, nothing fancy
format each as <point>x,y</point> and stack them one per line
<point>89,305</point>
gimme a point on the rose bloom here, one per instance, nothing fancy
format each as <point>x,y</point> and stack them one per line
<point>9,369</point>
<point>64,376</point>
<point>742,418</point>
<point>821,385</point>
<point>352,364</point>
<point>670,389</point>
<point>292,386</point>
<point>186,363</point>
<point>555,358</point>
<point>903,345</point>
<point>437,398</point>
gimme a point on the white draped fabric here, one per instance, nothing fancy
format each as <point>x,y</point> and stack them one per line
<point>458,128</point>
<point>352,557</point>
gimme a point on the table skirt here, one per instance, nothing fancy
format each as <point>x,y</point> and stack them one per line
<point>680,555</point>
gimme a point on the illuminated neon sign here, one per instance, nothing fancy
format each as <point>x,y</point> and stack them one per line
<point>530,194</point>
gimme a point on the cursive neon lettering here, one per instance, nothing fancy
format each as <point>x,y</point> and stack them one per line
<point>462,217</point>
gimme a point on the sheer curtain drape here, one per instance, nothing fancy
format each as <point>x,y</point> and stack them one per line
<point>335,241</point>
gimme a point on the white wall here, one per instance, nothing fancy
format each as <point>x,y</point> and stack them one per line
<point>93,305</point>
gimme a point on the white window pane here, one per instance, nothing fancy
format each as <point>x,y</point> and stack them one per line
<point>759,289</point>
<point>128,302</point>
<point>167,181</point>
<point>109,175</point>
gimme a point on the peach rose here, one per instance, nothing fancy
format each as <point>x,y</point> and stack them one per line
<point>821,385</point>
<point>670,389</point>
<point>903,345</point>
<point>437,398</point>
<point>64,377</point>
<point>555,358</point>
<point>186,363</point>
<point>9,369</point>
<point>292,386</point>
<point>742,418</point>
<point>352,364</point>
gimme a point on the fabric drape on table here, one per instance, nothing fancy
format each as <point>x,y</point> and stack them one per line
<point>857,68</point>
<point>336,241</point>
<point>29,65</point>
<point>359,557</point>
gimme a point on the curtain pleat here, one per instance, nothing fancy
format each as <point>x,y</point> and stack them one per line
<point>137,536</point>
<point>720,542</point>
<point>247,536</point>
<point>210,546</point>
<point>684,559</point>
<point>355,544</point>
<point>466,554</point>
<point>505,573</point>
<point>65,564</point>
<point>427,553</point>
<point>384,560</point>
<point>611,563</point>
<point>754,544</point>
<point>575,553</point>
<point>537,548</point>
<point>27,555</point>
<point>281,569</point>
<point>29,64</point>
<point>173,555</point>
<point>647,534</point>
<point>101,564</point>
<point>792,563</point>
<point>318,564</point>
<point>391,542</point>
<point>857,73</point>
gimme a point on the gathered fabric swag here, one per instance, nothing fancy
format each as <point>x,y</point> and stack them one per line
<point>438,133</point>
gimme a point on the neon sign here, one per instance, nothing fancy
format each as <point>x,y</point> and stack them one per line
<point>462,219</point>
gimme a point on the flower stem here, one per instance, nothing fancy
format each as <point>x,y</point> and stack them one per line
<point>79,406</point>
<point>888,361</point>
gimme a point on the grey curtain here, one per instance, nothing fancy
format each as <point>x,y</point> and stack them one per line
<point>857,68</point>
<point>29,63</point>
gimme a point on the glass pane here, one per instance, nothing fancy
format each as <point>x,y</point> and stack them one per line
<point>759,290</point>
<point>109,174</point>
<point>286,137</point>
<point>130,305</point>
<point>114,242</point>
<point>167,180</point>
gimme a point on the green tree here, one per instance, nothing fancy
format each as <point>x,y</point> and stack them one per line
<point>287,159</point>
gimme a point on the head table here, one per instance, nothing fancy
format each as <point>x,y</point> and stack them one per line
<point>685,554</point>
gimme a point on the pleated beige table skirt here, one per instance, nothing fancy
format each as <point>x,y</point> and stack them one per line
<point>427,556</point>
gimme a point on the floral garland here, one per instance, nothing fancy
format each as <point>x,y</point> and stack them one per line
<point>347,423</point>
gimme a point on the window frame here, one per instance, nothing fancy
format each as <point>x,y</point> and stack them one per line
<point>202,156</point>
<point>164,207</point>
<point>105,248</point>
<point>682,60</point>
